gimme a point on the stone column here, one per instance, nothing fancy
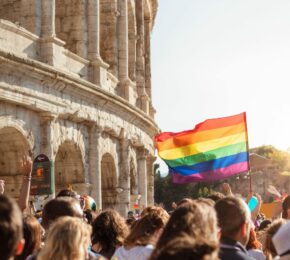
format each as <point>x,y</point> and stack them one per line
<point>51,48</point>
<point>124,179</point>
<point>99,67</point>
<point>95,164</point>
<point>147,57</point>
<point>150,179</point>
<point>47,141</point>
<point>143,99</point>
<point>142,177</point>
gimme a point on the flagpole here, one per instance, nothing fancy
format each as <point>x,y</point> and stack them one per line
<point>249,171</point>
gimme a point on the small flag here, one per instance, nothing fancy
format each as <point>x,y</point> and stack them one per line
<point>213,150</point>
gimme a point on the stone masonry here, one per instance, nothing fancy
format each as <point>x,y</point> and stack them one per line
<point>75,84</point>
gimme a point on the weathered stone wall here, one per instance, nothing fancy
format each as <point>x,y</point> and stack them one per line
<point>74,85</point>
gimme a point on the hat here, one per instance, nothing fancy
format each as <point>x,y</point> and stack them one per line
<point>281,239</point>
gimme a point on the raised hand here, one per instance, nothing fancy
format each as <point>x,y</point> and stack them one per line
<point>227,188</point>
<point>26,166</point>
<point>2,185</point>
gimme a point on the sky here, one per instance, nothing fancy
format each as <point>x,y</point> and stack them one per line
<point>216,58</point>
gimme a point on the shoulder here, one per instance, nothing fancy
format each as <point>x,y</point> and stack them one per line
<point>229,254</point>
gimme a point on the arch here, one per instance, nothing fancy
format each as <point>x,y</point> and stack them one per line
<point>69,167</point>
<point>108,34</point>
<point>13,146</point>
<point>71,25</point>
<point>109,181</point>
<point>132,33</point>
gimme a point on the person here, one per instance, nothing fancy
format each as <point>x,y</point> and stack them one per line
<point>196,219</point>
<point>59,207</point>
<point>286,208</point>
<point>186,247</point>
<point>268,248</point>
<point>32,231</point>
<point>234,220</point>
<point>281,241</point>
<point>67,193</point>
<point>11,234</point>
<point>109,232</point>
<point>68,238</point>
<point>144,235</point>
<point>215,196</point>
<point>254,246</point>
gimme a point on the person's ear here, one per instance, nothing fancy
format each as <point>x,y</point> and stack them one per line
<point>244,229</point>
<point>20,247</point>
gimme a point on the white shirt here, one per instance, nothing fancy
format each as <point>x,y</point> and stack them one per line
<point>256,254</point>
<point>137,252</point>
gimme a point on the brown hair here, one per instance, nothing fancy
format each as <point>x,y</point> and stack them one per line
<point>110,231</point>
<point>269,248</point>
<point>196,219</point>
<point>32,231</point>
<point>253,242</point>
<point>186,248</point>
<point>60,207</point>
<point>231,213</point>
<point>10,227</point>
<point>143,230</point>
<point>285,207</point>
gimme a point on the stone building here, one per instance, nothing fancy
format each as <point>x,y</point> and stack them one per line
<point>75,84</point>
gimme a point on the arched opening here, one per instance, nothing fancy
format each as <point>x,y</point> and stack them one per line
<point>71,25</point>
<point>108,34</point>
<point>69,168</point>
<point>13,147</point>
<point>109,182</point>
<point>132,32</point>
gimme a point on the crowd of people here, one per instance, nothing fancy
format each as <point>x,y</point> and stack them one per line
<point>221,226</point>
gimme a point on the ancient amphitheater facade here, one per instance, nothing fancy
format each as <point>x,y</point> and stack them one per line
<point>75,85</point>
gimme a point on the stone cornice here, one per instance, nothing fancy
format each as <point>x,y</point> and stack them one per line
<point>87,90</point>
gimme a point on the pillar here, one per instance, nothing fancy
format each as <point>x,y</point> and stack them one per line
<point>142,177</point>
<point>150,179</point>
<point>95,164</point>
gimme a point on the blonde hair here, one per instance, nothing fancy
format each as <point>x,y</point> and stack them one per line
<point>68,238</point>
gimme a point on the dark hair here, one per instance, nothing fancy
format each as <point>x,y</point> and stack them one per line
<point>110,231</point>
<point>196,219</point>
<point>32,234</point>
<point>59,207</point>
<point>90,216</point>
<point>285,207</point>
<point>187,248</point>
<point>10,227</point>
<point>264,224</point>
<point>232,214</point>
<point>67,193</point>
<point>143,230</point>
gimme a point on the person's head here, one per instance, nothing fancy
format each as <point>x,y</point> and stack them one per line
<point>90,216</point>
<point>234,219</point>
<point>158,210</point>
<point>148,229</point>
<point>196,219</point>
<point>281,240</point>
<point>264,224</point>
<point>184,201</point>
<point>68,238</point>
<point>130,214</point>
<point>67,193</point>
<point>109,232</point>
<point>32,231</point>
<point>60,207</point>
<point>269,248</point>
<point>11,234</point>
<point>253,242</point>
<point>186,247</point>
<point>286,208</point>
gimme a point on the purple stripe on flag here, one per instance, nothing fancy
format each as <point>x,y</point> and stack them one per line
<point>214,175</point>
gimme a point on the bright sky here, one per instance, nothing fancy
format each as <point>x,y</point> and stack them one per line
<point>218,58</point>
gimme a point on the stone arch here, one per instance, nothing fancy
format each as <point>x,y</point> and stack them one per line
<point>71,25</point>
<point>13,146</point>
<point>108,34</point>
<point>109,181</point>
<point>132,33</point>
<point>69,168</point>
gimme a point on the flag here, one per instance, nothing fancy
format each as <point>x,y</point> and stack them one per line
<point>213,150</point>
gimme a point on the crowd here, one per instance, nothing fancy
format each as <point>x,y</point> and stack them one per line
<point>220,226</point>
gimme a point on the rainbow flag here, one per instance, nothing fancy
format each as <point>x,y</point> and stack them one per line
<point>213,150</point>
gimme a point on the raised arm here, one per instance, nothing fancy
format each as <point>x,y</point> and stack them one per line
<point>26,169</point>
